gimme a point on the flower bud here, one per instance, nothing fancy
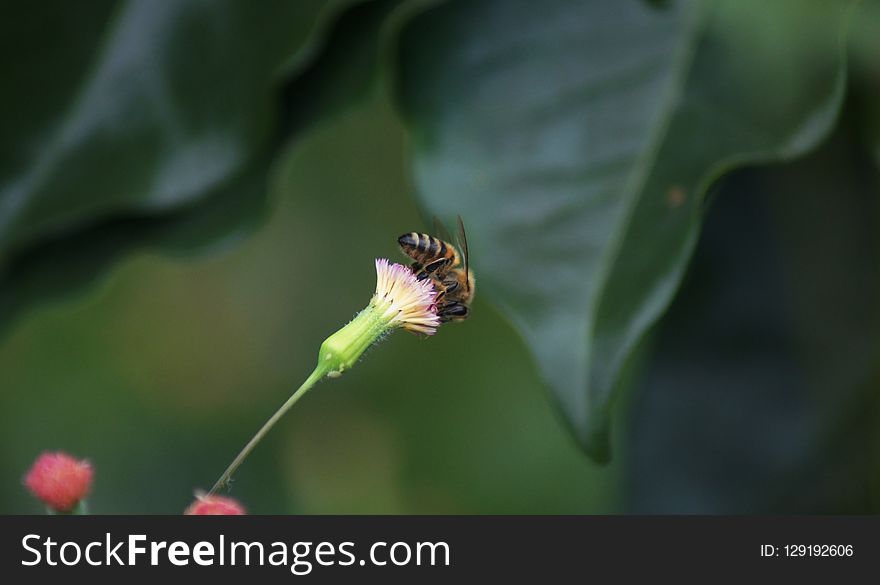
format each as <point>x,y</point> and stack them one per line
<point>59,480</point>
<point>214,506</point>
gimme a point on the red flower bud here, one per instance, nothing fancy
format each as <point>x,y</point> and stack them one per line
<point>214,506</point>
<point>59,480</point>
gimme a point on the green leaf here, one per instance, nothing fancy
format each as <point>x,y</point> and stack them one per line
<point>159,124</point>
<point>170,105</point>
<point>761,393</point>
<point>578,139</point>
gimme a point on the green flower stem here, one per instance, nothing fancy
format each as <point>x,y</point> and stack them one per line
<point>267,426</point>
<point>338,353</point>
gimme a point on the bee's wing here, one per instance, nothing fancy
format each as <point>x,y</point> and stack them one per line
<point>440,230</point>
<point>463,247</point>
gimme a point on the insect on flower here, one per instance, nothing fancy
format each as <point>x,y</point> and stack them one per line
<point>445,266</point>
<point>437,288</point>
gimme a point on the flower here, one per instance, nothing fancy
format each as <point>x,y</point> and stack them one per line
<point>401,301</point>
<point>59,480</point>
<point>405,300</point>
<point>214,506</point>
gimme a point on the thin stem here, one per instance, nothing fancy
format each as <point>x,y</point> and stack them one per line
<point>319,373</point>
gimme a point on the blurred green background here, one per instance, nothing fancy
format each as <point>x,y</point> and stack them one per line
<point>161,372</point>
<point>674,211</point>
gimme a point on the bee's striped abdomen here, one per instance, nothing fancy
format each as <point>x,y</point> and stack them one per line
<point>423,248</point>
<point>439,248</point>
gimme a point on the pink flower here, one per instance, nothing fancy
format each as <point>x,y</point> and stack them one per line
<point>404,301</point>
<point>59,480</point>
<point>214,506</point>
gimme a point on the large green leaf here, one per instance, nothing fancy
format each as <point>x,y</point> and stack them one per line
<point>578,139</point>
<point>761,394</point>
<point>156,123</point>
<point>170,104</point>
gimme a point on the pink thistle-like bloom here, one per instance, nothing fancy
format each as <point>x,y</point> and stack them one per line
<point>215,506</point>
<point>403,300</point>
<point>59,480</point>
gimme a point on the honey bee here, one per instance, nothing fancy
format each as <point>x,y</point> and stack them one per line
<point>447,267</point>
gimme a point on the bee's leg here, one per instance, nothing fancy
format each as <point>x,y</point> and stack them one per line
<point>450,284</point>
<point>419,270</point>
<point>433,267</point>
<point>437,265</point>
<point>453,312</point>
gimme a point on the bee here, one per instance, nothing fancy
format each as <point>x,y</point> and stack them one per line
<point>447,267</point>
